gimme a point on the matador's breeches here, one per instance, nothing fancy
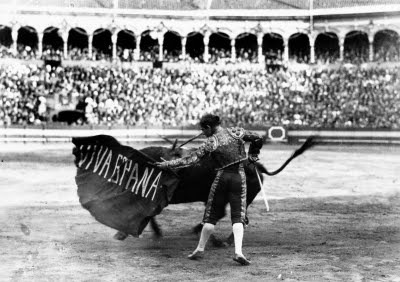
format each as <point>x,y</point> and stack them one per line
<point>229,186</point>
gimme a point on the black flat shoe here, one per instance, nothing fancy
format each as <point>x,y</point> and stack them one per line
<point>196,255</point>
<point>242,260</point>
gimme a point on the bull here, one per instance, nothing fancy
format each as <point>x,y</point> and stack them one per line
<point>195,181</point>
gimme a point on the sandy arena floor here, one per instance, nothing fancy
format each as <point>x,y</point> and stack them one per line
<point>335,216</point>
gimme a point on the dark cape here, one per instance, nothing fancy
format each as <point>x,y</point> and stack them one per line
<point>119,185</point>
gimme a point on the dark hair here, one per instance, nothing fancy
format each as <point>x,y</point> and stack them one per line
<point>209,120</point>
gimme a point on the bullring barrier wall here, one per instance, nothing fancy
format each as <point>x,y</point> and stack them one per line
<point>347,136</point>
<point>64,134</point>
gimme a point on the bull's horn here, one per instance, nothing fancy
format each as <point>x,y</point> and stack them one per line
<point>174,145</point>
<point>166,139</point>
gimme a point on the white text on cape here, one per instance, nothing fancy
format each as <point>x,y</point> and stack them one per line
<point>137,177</point>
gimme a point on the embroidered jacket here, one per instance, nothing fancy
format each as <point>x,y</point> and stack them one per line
<point>225,146</point>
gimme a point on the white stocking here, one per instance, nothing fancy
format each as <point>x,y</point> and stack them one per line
<point>206,232</point>
<point>238,231</point>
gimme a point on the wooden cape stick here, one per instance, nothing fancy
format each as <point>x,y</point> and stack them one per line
<point>309,143</point>
<point>191,139</point>
<point>262,190</point>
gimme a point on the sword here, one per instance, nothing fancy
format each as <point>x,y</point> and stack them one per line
<point>262,190</point>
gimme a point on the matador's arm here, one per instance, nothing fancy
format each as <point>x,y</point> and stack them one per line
<point>206,148</point>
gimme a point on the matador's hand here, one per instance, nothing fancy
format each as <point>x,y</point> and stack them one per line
<point>162,165</point>
<point>253,158</point>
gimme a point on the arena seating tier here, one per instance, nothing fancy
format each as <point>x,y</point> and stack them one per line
<point>330,98</point>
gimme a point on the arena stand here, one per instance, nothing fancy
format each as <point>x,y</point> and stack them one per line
<point>332,98</point>
<point>298,69</point>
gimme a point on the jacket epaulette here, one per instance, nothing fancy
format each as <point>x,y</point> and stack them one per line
<point>236,132</point>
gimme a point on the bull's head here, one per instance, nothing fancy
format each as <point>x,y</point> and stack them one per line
<point>167,153</point>
<point>176,152</point>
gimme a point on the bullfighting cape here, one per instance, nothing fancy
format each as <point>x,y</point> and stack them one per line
<point>118,185</point>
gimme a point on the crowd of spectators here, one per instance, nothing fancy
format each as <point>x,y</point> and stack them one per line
<point>5,52</point>
<point>25,52</point>
<point>326,57</point>
<point>389,53</point>
<point>344,97</point>
<point>126,55</point>
<point>77,54</point>
<point>356,55</point>
<point>23,92</point>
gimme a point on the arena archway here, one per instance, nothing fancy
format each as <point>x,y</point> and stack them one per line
<point>299,47</point>
<point>195,45</point>
<point>246,47</point>
<point>27,41</point>
<point>272,47</point>
<point>149,46</point>
<point>27,36</point>
<point>172,46</point>
<point>327,48</point>
<point>5,36</point>
<point>356,46</point>
<point>52,39</point>
<point>102,44</point>
<point>78,43</point>
<point>126,44</point>
<point>386,45</point>
<point>219,46</point>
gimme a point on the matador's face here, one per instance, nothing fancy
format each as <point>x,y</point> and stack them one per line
<point>207,131</point>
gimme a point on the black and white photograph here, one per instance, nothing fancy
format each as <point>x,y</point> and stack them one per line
<point>199,140</point>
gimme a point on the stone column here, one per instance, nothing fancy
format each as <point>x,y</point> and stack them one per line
<point>371,47</point>
<point>206,40</point>
<point>114,38</point>
<point>233,50</point>
<point>137,50</point>
<point>286,49</point>
<point>259,43</point>
<point>90,46</point>
<point>161,48</point>
<point>341,48</point>
<point>183,41</point>
<point>14,35</point>
<point>65,48</point>
<point>312,49</point>
<point>40,45</point>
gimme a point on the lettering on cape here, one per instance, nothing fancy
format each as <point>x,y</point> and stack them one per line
<point>118,169</point>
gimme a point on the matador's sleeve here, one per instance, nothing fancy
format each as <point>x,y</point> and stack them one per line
<point>206,148</point>
<point>256,142</point>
